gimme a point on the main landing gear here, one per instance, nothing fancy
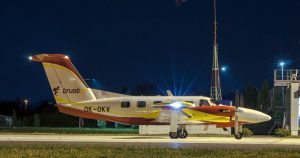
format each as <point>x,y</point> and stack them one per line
<point>181,133</point>
<point>176,130</point>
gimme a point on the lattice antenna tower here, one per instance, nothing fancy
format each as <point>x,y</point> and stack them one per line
<point>215,91</point>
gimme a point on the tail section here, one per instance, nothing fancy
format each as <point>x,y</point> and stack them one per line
<point>66,83</point>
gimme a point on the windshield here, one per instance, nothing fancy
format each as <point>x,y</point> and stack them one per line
<point>214,101</point>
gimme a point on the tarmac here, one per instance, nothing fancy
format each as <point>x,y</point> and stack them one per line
<point>150,141</point>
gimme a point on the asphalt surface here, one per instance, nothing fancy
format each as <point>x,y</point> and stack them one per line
<point>150,141</point>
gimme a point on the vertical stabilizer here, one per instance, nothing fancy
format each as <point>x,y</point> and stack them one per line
<point>66,83</point>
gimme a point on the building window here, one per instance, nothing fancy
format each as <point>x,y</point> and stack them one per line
<point>141,104</point>
<point>125,104</point>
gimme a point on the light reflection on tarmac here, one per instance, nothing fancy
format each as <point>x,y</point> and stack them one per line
<point>150,141</point>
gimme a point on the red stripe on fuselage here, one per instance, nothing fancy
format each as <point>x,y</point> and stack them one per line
<point>216,110</point>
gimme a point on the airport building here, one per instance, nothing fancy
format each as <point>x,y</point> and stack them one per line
<point>286,100</point>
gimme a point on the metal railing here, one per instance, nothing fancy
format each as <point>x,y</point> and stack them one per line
<point>286,75</point>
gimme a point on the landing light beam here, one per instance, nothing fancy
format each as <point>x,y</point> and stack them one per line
<point>176,105</point>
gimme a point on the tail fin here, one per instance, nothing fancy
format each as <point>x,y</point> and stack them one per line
<point>66,83</point>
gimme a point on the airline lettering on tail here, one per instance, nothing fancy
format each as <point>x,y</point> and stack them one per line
<point>65,90</point>
<point>75,90</point>
<point>98,109</point>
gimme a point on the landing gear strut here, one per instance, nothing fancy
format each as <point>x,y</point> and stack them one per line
<point>238,134</point>
<point>176,130</point>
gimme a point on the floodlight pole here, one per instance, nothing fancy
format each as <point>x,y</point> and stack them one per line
<point>283,98</point>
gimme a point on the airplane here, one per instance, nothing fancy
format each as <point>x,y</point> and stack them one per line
<point>74,97</point>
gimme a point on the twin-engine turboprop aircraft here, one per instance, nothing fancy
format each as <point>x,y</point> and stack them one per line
<point>74,97</point>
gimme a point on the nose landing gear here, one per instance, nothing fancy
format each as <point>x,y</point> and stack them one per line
<point>239,135</point>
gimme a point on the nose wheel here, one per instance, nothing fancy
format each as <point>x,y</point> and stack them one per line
<point>239,135</point>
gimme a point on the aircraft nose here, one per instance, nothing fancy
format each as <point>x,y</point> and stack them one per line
<point>264,117</point>
<point>252,116</point>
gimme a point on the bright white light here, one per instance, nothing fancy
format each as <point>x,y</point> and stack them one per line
<point>223,68</point>
<point>281,63</point>
<point>176,105</point>
<point>30,57</point>
<point>66,57</point>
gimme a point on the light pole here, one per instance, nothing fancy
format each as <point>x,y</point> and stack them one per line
<point>259,97</point>
<point>26,103</point>
<point>282,92</point>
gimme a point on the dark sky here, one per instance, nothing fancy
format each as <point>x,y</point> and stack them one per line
<point>126,42</point>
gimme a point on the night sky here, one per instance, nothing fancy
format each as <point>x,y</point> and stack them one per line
<point>127,42</point>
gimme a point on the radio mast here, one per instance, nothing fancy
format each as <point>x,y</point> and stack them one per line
<point>215,91</point>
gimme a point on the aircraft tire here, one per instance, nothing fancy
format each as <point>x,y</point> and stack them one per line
<point>238,136</point>
<point>173,135</point>
<point>182,133</point>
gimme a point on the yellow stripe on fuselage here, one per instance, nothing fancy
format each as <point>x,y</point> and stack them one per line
<point>147,115</point>
<point>202,116</point>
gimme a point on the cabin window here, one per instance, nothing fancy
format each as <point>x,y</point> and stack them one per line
<point>157,102</point>
<point>141,104</point>
<point>125,104</point>
<point>203,103</point>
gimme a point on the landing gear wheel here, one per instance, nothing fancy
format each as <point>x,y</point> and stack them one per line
<point>173,135</point>
<point>182,133</point>
<point>238,136</point>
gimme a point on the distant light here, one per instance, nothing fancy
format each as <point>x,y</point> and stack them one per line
<point>30,57</point>
<point>176,105</point>
<point>223,68</point>
<point>282,63</point>
<point>66,57</point>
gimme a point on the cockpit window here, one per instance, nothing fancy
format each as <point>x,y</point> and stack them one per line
<point>204,103</point>
<point>214,101</point>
